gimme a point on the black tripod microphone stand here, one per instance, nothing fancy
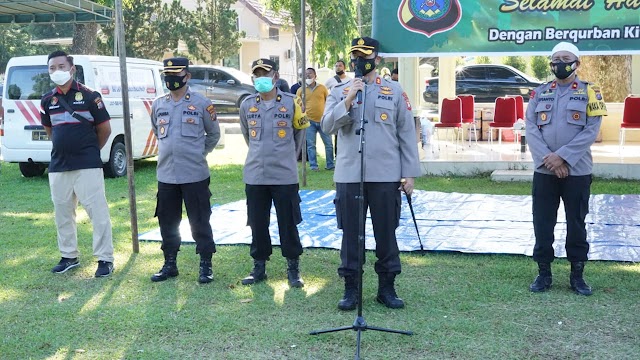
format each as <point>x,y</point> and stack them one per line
<point>360,325</point>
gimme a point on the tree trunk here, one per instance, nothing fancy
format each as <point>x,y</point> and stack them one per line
<point>84,39</point>
<point>612,73</point>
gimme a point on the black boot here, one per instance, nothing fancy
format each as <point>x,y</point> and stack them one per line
<point>543,280</point>
<point>577,281</point>
<point>293,273</point>
<point>387,292</point>
<point>259,273</point>
<point>206,271</point>
<point>350,298</point>
<point>169,269</point>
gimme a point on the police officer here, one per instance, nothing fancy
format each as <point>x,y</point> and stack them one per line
<point>563,120</point>
<point>273,124</point>
<point>185,124</point>
<point>391,154</point>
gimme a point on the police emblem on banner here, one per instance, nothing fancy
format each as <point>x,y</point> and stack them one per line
<point>429,17</point>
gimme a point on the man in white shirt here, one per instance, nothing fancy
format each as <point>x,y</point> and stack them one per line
<point>340,76</point>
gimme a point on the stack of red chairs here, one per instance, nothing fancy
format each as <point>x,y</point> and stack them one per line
<point>469,115</point>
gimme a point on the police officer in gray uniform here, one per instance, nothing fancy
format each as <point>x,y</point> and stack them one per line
<point>391,154</point>
<point>187,129</point>
<point>273,124</point>
<point>563,120</point>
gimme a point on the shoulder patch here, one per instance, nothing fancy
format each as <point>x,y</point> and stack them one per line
<point>212,111</point>
<point>406,99</point>
<point>595,104</point>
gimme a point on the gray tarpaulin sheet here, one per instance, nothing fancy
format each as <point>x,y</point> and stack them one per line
<point>469,223</point>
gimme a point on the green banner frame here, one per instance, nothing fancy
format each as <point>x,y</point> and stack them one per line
<point>492,27</point>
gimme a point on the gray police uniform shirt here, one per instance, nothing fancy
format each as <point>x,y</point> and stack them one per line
<point>187,130</point>
<point>268,129</point>
<point>564,120</point>
<point>391,148</point>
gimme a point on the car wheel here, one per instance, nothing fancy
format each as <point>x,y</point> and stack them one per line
<point>117,165</point>
<point>31,169</point>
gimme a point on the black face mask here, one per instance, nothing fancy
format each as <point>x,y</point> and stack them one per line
<point>340,73</point>
<point>362,66</point>
<point>174,82</point>
<point>562,69</point>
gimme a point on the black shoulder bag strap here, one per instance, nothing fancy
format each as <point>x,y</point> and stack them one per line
<point>337,78</point>
<point>77,116</point>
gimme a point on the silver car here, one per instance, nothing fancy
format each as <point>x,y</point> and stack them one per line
<point>226,87</point>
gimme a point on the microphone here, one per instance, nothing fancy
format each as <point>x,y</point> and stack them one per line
<point>358,75</point>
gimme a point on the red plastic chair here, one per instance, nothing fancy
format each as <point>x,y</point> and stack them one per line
<point>469,115</point>
<point>519,114</point>
<point>630,117</point>
<point>450,118</point>
<point>519,106</point>
<point>504,116</point>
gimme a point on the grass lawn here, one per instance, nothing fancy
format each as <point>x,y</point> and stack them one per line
<point>459,306</point>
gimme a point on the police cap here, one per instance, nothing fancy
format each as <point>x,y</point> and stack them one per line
<point>365,45</point>
<point>175,65</point>
<point>265,64</point>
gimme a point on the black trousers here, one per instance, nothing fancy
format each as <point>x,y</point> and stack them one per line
<point>196,198</point>
<point>287,203</point>
<point>384,203</point>
<point>547,191</point>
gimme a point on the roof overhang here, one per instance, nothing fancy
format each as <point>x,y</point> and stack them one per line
<point>53,11</point>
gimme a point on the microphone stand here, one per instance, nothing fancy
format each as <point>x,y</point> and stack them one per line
<point>360,325</point>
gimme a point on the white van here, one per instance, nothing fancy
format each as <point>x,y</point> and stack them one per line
<point>23,137</point>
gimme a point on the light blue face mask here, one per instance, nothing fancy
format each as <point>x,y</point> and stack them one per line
<point>263,84</point>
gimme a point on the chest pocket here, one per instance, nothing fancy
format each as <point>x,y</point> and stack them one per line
<point>163,127</point>
<point>385,111</point>
<point>282,130</point>
<point>190,126</point>
<point>255,129</point>
<point>543,113</point>
<point>577,113</point>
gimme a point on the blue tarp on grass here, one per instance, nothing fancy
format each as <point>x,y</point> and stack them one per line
<point>469,223</point>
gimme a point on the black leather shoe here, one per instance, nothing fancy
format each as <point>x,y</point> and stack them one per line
<point>350,298</point>
<point>543,280</point>
<point>541,283</point>
<point>293,273</point>
<point>576,279</point>
<point>206,272</point>
<point>258,274</point>
<point>387,292</point>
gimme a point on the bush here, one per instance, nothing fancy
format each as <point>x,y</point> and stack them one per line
<point>483,60</point>
<point>540,67</point>
<point>517,62</point>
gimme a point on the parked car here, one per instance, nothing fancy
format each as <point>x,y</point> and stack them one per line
<point>486,82</point>
<point>226,87</point>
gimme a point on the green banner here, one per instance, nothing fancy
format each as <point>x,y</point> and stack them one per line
<point>465,27</point>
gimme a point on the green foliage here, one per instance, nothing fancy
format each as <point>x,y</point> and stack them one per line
<point>212,31</point>
<point>517,62</point>
<point>483,60</point>
<point>540,66</point>
<point>14,41</point>
<point>366,16</point>
<point>151,28</point>
<point>336,28</point>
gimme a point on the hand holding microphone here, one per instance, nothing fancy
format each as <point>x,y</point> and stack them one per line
<point>358,74</point>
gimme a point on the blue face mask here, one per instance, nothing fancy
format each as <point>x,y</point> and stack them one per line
<point>263,84</point>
